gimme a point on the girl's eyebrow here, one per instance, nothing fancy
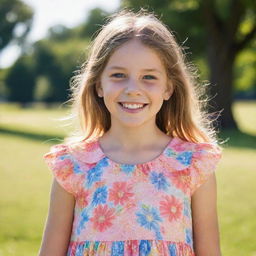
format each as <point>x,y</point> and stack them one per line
<point>152,70</point>
<point>146,69</point>
<point>116,67</point>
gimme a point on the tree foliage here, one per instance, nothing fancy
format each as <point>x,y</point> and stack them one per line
<point>21,80</point>
<point>57,61</point>
<point>93,23</point>
<point>15,21</point>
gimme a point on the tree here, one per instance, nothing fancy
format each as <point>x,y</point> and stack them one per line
<point>57,60</point>
<point>15,21</point>
<point>93,23</point>
<point>59,33</point>
<point>47,64</point>
<point>21,81</point>
<point>225,41</point>
<point>59,55</point>
<point>216,27</point>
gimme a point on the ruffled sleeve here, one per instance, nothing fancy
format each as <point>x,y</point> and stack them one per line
<point>60,162</point>
<point>204,161</point>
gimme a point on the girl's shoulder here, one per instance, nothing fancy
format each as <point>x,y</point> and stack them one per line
<point>180,149</point>
<point>182,145</point>
<point>70,161</point>
<point>85,151</point>
<point>199,160</point>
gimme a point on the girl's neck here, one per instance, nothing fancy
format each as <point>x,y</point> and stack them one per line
<point>134,138</point>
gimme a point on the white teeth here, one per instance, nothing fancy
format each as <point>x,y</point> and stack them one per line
<point>132,106</point>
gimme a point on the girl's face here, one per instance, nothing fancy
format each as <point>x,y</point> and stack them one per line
<point>134,85</point>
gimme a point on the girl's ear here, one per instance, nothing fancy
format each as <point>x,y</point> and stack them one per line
<point>99,89</point>
<point>169,91</point>
<point>167,95</point>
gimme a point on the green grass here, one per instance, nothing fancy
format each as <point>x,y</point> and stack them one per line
<point>25,180</point>
<point>24,186</point>
<point>33,121</point>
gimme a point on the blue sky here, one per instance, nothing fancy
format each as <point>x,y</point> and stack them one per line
<point>52,12</point>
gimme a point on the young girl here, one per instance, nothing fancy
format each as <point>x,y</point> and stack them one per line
<point>132,184</point>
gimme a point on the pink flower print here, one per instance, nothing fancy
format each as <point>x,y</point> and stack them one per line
<point>131,247</point>
<point>130,204</point>
<point>103,217</point>
<point>82,198</point>
<point>171,208</point>
<point>63,168</point>
<point>99,184</point>
<point>144,168</point>
<point>181,180</point>
<point>92,146</point>
<point>120,193</point>
<point>180,146</point>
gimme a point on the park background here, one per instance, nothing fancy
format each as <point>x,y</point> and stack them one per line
<point>218,37</point>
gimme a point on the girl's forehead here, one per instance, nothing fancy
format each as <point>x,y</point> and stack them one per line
<point>135,53</point>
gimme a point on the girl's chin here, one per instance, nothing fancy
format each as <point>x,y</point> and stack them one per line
<point>134,124</point>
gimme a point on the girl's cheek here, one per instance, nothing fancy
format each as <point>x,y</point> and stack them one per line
<point>152,87</point>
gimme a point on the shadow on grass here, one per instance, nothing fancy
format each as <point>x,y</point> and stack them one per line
<point>238,139</point>
<point>45,138</point>
<point>233,138</point>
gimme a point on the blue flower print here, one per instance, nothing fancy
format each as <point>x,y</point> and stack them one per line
<point>63,157</point>
<point>79,250</point>
<point>185,157</point>
<point>76,166</point>
<point>95,173</point>
<point>127,168</point>
<point>86,245</point>
<point>172,249</point>
<point>149,218</point>
<point>103,162</point>
<point>158,235</point>
<point>189,238</point>
<point>100,196</point>
<point>144,247</point>
<point>117,248</point>
<point>169,152</point>
<point>186,208</point>
<point>159,180</point>
<point>84,217</point>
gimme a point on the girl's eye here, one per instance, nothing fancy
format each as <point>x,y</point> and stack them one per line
<point>118,75</point>
<point>149,77</point>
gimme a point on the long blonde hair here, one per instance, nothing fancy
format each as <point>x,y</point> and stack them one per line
<point>183,115</point>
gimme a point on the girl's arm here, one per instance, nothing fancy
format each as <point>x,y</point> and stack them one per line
<point>59,222</point>
<point>205,219</point>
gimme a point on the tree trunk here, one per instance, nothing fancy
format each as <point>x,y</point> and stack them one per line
<point>221,58</point>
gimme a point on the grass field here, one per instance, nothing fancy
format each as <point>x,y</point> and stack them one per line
<point>25,135</point>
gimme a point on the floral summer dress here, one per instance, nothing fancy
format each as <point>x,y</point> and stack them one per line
<point>132,209</point>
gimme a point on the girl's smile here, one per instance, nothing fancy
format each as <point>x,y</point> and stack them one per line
<point>132,107</point>
<point>134,84</point>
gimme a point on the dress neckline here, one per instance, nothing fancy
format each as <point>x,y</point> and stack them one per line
<point>155,159</point>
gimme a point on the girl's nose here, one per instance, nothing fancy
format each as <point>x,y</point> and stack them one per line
<point>133,87</point>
